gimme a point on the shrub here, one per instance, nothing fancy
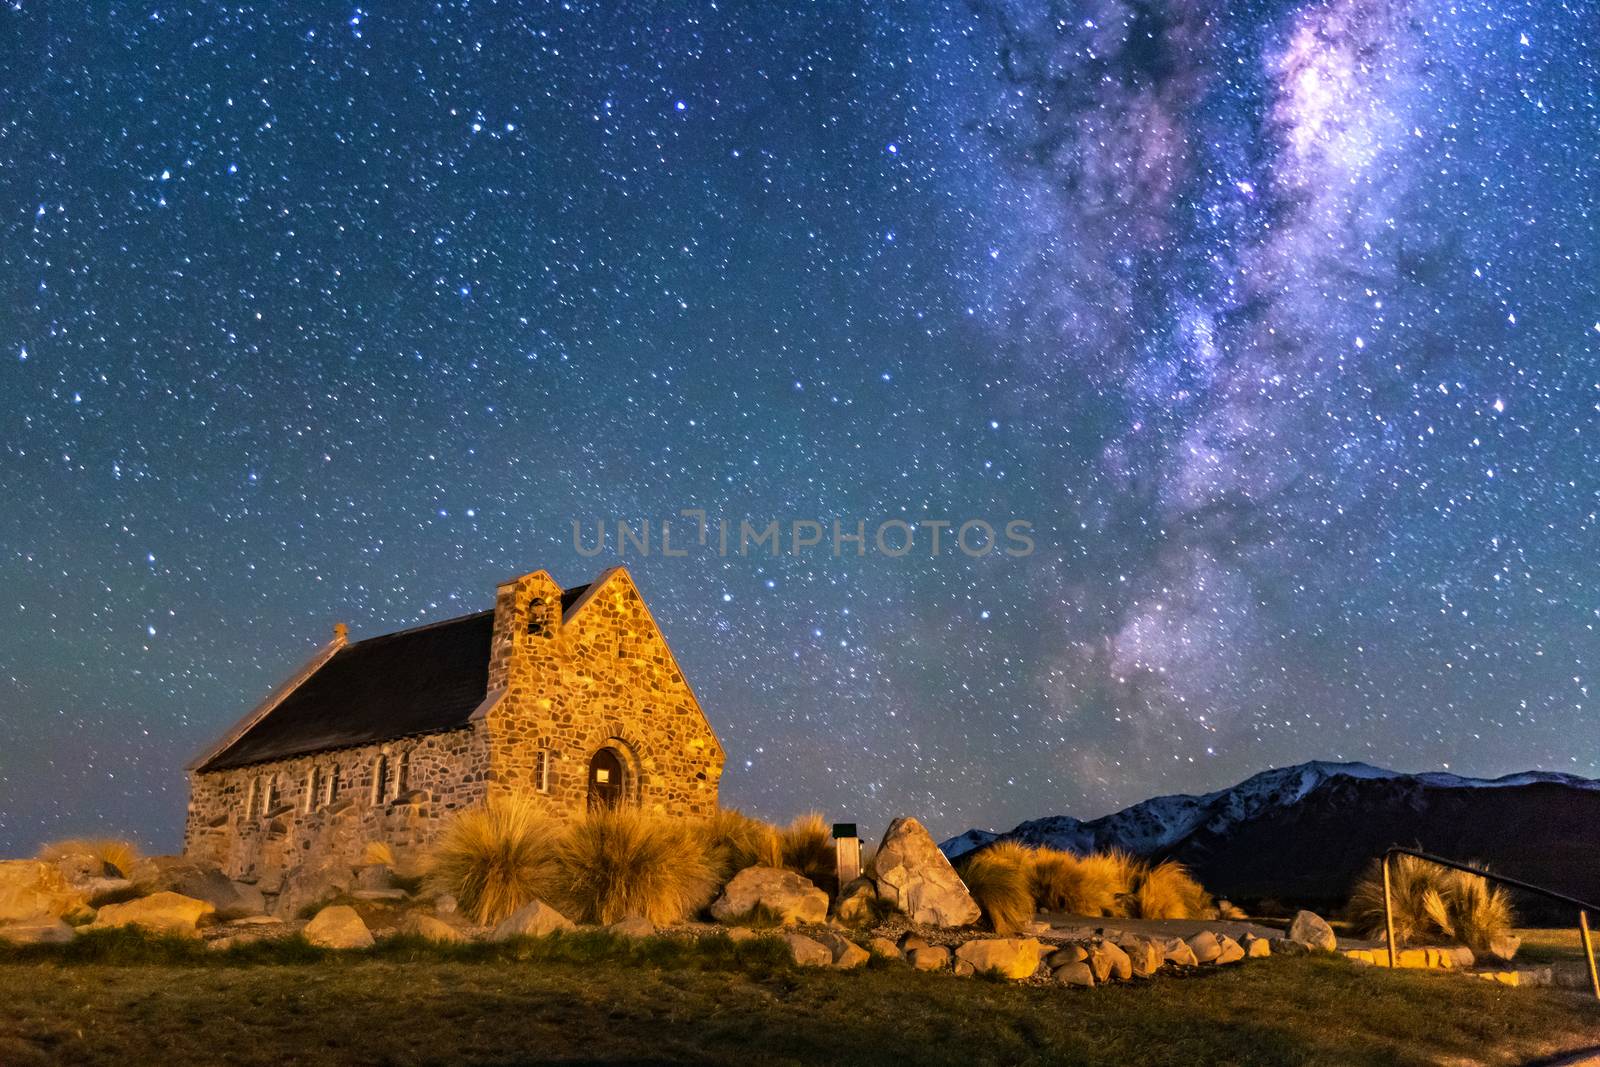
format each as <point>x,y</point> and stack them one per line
<point>378,853</point>
<point>1432,903</point>
<point>118,856</point>
<point>1167,891</point>
<point>495,859</point>
<point>618,863</point>
<point>807,847</point>
<point>1086,886</point>
<point>733,841</point>
<point>999,879</point>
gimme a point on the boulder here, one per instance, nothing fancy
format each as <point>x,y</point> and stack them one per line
<point>1313,931</point>
<point>1282,946</point>
<point>200,880</point>
<point>1176,951</point>
<point>787,895</point>
<point>31,890</point>
<point>844,953</point>
<point>929,958</point>
<point>312,883</point>
<point>1067,954</point>
<point>421,924</point>
<point>882,946</point>
<point>536,919</point>
<point>1143,956</point>
<point>445,904</point>
<point>1255,947</point>
<point>855,902</point>
<point>1077,974</point>
<point>374,876</point>
<point>915,877</point>
<point>1108,961</point>
<point>164,912</point>
<point>1231,952</point>
<point>1504,947</point>
<point>806,952</point>
<point>339,926</point>
<point>1010,957</point>
<point>633,927</point>
<point>36,932</point>
<point>911,941</point>
<point>1205,946</point>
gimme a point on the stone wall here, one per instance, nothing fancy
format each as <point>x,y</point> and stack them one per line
<point>429,777</point>
<point>602,679</point>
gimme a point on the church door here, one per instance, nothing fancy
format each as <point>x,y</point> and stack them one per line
<point>605,780</point>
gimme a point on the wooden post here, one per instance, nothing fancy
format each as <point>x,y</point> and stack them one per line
<point>1588,952</point>
<point>1388,916</point>
<point>847,852</point>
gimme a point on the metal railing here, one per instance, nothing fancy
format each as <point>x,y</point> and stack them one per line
<point>1583,907</point>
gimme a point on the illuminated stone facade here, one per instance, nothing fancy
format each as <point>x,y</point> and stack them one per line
<point>584,704</point>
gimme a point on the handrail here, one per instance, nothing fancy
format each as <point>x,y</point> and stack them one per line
<point>1584,908</point>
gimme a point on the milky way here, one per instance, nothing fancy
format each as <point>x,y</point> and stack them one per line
<point>1280,323</point>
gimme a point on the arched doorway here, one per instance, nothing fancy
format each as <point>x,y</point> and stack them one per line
<point>605,779</point>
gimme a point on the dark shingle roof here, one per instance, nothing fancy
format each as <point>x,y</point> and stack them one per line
<point>416,681</point>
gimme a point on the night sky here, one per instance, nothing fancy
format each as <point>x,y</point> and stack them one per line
<point>1279,322</point>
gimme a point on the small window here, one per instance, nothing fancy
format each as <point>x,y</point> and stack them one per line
<point>313,784</point>
<point>250,801</point>
<point>402,769</point>
<point>380,779</point>
<point>541,771</point>
<point>333,783</point>
<point>270,804</point>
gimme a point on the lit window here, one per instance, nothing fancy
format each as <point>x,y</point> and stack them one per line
<point>541,771</point>
<point>250,801</point>
<point>313,780</point>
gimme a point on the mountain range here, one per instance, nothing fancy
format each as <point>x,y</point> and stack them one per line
<point>1305,833</point>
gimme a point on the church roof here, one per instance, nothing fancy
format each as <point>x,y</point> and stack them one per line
<point>424,680</point>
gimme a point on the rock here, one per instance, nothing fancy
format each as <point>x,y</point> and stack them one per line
<point>929,958</point>
<point>202,881</point>
<point>446,904</point>
<point>1074,974</point>
<point>1067,954</point>
<point>911,941</point>
<point>374,876</point>
<point>1504,947</point>
<point>1143,956</point>
<point>882,946</point>
<point>742,933</point>
<point>36,932</point>
<point>844,953</point>
<point>312,883</point>
<point>915,877</point>
<point>1312,931</point>
<point>806,952</point>
<point>1010,957</point>
<point>963,969</point>
<point>1255,947</point>
<point>787,895</point>
<point>1231,950</point>
<point>31,890</point>
<point>1205,946</point>
<point>1282,946</point>
<point>390,895</point>
<point>338,926</point>
<point>421,924</point>
<point>855,902</point>
<point>537,919</point>
<point>1176,951</point>
<point>1108,961</point>
<point>164,912</point>
<point>633,927</point>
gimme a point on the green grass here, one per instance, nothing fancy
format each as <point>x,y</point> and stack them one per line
<point>592,997</point>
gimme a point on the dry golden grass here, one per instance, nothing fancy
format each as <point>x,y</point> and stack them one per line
<point>495,859</point>
<point>1167,891</point>
<point>733,841</point>
<point>999,879</point>
<point>1432,903</point>
<point>620,863</point>
<point>807,847</point>
<point>378,853</point>
<point>118,856</point>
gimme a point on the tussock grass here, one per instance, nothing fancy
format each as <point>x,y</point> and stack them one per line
<point>999,878</point>
<point>733,841</point>
<point>807,849</point>
<point>117,855</point>
<point>1432,903</point>
<point>1065,882</point>
<point>619,863</point>
<point>1168,891</point>
<point>378,853</point>
<point>495,859</point>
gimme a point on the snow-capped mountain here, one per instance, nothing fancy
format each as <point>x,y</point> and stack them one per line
<point>1307,830</point>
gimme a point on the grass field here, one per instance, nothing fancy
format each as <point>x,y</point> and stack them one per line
<point>591,999</point>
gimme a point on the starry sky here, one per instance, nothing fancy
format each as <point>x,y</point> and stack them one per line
<point>1280,322</point>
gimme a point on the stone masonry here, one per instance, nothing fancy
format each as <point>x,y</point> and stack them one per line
<point>562,685</point>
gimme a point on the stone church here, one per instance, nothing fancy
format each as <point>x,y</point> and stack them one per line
<point>570,697</point>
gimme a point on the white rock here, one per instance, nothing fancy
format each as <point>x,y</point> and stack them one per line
<point>1312,931</point>
<point>916,877</point>
<point>536,919</point>
<point>787,895</point>
<point>806,952</point>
